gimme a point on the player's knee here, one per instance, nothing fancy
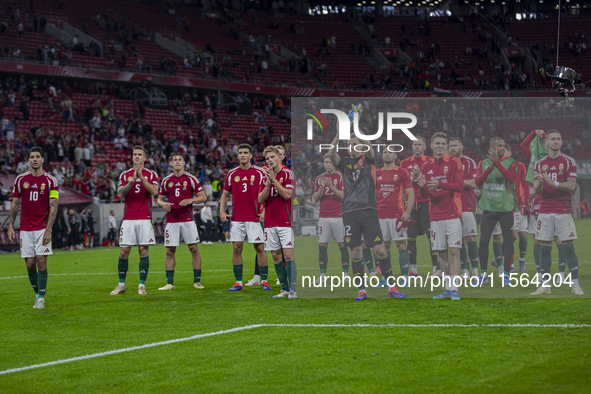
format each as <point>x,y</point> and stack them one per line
<point>341,245</point>
<point>401,246</point>
<point>277,256</point>
<point>143,251</point>
<point>170,251</point>
<point>287,254</point>
<point>237,248</point>
<point>194,249</point>
<point>325,245</point>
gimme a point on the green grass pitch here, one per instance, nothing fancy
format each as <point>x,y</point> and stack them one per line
<point>83,319</point>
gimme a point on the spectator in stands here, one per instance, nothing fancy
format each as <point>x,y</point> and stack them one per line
<point>79,167</point>
<point>112,235</point>
<point>23,166</point>
<point>88,153</point>
<point>207,221</point>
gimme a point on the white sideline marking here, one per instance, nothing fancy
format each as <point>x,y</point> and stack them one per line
<point>236,329</point>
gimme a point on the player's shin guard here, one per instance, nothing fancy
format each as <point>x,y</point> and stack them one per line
<point>498,253</point>
<point>281,275</point>
<point>561,258</point>
<point>412,250</point>
<point>292,274</point>
<point>523,248</point>
<point>42,282</point>
<point>464,257</point>
<point>572,260</point>
<point>537,257</point>
<point>122,267</point>
<point>170,277</point>
<point>238,272</point>
<point>546,260</point>
<point>368,260</point>
<point>144,268</point>
<point>323,258</point>
<point>345,259</point>
<point>257,268</point>
<point>264,271</point>
<point>357,266</point>
<point>196,276</point>
<point>403,260</point>
<point>473,254</point>
<point>33,279</point>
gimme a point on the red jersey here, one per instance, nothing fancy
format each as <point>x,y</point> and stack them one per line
<point>535,204</point>
<point>138,202</point>
<point>559,169</point>
<point>177,189</point>
<point>446,200</point>
<point>521,186</point>
<point>330,204</point>
<point>408,164</point>
<point>468,198</point>
<point>35,192</point>
<point>245,186</point>
<point>390,186</point>
<point>278,211</point>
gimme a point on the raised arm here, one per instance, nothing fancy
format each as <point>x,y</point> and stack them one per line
<point>333,154</point>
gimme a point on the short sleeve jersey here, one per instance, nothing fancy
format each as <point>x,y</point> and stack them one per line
<point>138,202</point>
<point>559,169</point>
<point>408,164</point>
<point>278,212</point>
<point>468,198</point>
<point>177,189</point>
<point>390,186</point>
<point>359,188</point>
<point>330,204</point>
<point>34,193</point>
<point>245,186</point>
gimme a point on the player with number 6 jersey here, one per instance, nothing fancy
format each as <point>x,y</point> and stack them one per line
<point>37,193</point>
<point>137,185</point>
<point>244,183</point>
<point>182,190</point>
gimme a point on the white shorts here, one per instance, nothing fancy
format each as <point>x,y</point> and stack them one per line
<point>32,244</point>
<point>174,231</point>
<point>330,229</point>
<point>389,233</point>
<point>499,231</point>
<point>278,238</point>
<point>519,222</point>
<point>469,227</point>
<point>137,232</point>
<point>253,231</point>
<point>450,229</point>
<point>561,225</point>
<point>533,223</point>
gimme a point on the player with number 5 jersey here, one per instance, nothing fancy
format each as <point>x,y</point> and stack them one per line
<point>182,191</point>
<point>38,193</point>
<point>137,185</point>
<point>244,183</point>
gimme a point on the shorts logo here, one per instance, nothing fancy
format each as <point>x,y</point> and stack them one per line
<point>445,169</point>
<point>46,250</point>
<point>236,178</point>
<point>258,239</point>
<point>121,239</point>
<point>196,239</point>
<point>377,239</point>
<point>561,167</point>
<point>458,243</point>
<point>472,232</point>
<point>348,240</point>
<point>170,184</point>
<point>167,242</point>
<point>252,178</point>
<point>151,240</point>
<point>26,185</point>
<point>289,243</point>
<point>571,235</point>
<point>42,186</point>
<point>395,178</point>
<point>545,167</point>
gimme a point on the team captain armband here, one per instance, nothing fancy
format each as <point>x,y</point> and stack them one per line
<point>54,194</point>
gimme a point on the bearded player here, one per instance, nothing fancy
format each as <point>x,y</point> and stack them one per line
<point>277,195</point>
<point>36,193</point>
<point>556,180</point>
<point>469,252</point>
<point>443,182</point>
<point>328,190</point>
<point>182,191</point>
<point>137,185</point>
<point>244,183</point>
<point>420,211</point>
<point>392,182</point>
